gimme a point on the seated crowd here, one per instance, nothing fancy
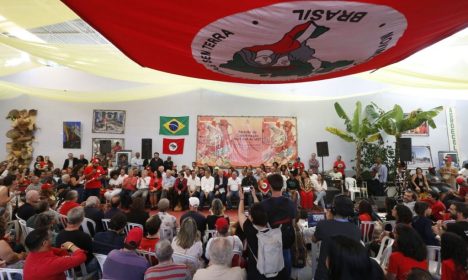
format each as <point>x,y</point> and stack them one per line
<point>94,223</point>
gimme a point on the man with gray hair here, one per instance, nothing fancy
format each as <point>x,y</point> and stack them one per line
<point>28,209</point>
<point>220,263</point>
<point>35,184</point>
<point>71,198</point>
<point>166,268</point>
<point>94,212</point>
<point>72,233</point>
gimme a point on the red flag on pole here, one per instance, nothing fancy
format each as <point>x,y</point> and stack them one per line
<point>173,146</point>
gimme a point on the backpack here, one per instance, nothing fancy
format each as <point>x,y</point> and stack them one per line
<point>298,250</point>
<point>270,252</point>
<point>166,231</point>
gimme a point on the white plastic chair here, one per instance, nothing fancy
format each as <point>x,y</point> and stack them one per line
<point>71,274</point>
<point>367,230</point>
<point>434,259</point>
<point>209,233</point>
<point>129,226</point>
<point>386,257</point>
<point>24,230</point>
<point>386,242</point>
<point>105,224</point>
<point>101,260</point>
<point>85,225</point>
<point>149,256</point>
<point>364,192</point>
<point>8,273</point>
<point>351,186</point>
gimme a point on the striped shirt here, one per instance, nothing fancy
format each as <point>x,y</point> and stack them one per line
<point>168,271</point>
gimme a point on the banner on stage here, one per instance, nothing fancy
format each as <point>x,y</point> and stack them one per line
<point>244,141</point>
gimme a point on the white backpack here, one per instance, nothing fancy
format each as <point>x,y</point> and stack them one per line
<point>270,252</point>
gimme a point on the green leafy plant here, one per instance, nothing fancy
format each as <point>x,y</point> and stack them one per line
<point>370,151</point>
<point>361,129</point>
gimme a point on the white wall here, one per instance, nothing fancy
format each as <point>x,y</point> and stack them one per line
<point>142,121</point>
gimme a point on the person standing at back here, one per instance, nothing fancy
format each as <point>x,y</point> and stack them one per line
<point>337,223</point>
<point>281,211</point>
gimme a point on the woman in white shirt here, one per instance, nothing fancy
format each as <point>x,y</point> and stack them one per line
<point>188,243</point>
<point>320,187</point>
<point>142,186</point>
<point>115,185</point>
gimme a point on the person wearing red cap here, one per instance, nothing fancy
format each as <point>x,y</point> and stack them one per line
<point>222,231</point>
<point>125,263</point>
<point>93,174</point>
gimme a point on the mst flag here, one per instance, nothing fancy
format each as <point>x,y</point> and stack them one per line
<point>173,146</point>
<point>173,125</point>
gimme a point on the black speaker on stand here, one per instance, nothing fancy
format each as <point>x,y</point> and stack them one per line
<point>146,148</point>
<point>322,151</point>
<point>404,146</point>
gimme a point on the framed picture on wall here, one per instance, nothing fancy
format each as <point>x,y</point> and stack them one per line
<point>102,146</point>
<point>72,135</point>
<point>421,157</point>
<point>422,130</point>
<point>453,155</point>
<point>122,158</point>
<point>109,121</point>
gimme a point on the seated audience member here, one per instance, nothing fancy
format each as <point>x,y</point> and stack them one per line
<point>409,199</point>
<point>35,184</point>
<point>349,260</point>
<point>320,187</point>
<point>128,187</point>
<point>166,269</point>
<point>257,221</point>
<point>180,192</point>
<point>167,184</point>
<point>365,211</point>
<point>459,212</point>
<point>72,233</point>
<point>423,225</point>
<point>28,209</point>
<point>113,238</point>
<point>292,187</point>
<point>410,251</point>
<point>168,227</point>
<point>46,263</point>
<point>188,242</point>
<point>207,188</point>
<point>419,274</point>
<point>222,231</point>
<point>390,203</point>
<point>437,207</point>
<point>335,174</point>
<point>233,185</point>
<point>193,184</point>
<point>11,258</point>
<point>454,257</point>
<point>419,182</point>
<point>70,202</point>
<point>152,234</point>
<point>217,211</point>
<point>337,223</point>
<point>93,211</point>
<point>137,213</point>
<point>126,263</point>
<point>115,185</point>
<point>402,214</point>
<point>143,185</point>
<point>114,208</point>
<point>42,207</point>
<point>193,213</point>
<point>307,191</point>
<point>220,253</point>
<point>155,189</point>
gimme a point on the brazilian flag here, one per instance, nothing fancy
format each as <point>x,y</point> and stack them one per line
<point>173,125</point>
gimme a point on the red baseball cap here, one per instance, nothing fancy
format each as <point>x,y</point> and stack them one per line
<point>134,235</point>
<point>460,180</point>
<point>95,160</point>
<point>221,223</point>
<point>46,186</point>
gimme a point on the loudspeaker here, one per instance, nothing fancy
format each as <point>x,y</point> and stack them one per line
<point>105,147</point>
<point>146,148</point>
<point>404,145</point>
<point>322,149</point>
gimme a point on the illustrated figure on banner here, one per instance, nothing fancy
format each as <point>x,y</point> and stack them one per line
<point>282,143</point>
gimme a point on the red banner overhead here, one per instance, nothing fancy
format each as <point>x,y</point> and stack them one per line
<point>270,41</point>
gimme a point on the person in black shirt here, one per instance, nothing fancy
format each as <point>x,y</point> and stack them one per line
<point>220,185</point>
<point>137,212</point>
<point>115,208</point>
<point>459,212</point>
<point>81,161</point>
<point>113,238</point>
<point>93,211</point>
<point>249,184</point>
<point>423,225</point>
<point>72,233</point>
<point>155,162</point>
<point>168,164</point>
<point>28,209</point>
<point>292,187</point>
<point>194,202</point>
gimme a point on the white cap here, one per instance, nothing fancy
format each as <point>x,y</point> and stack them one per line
<point>194,201</point>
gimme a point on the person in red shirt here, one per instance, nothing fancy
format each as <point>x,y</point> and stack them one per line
<point>438,208</point>
<point>152,225</point>
<point>70,202</point>
<point>454,257</point>
<point>264,186</point>
<point>46,263</point>
<point>298,165</point>
<point>94,174</point>
<point>410,252</point>
<point>340,165</point>
<point>128,188</point>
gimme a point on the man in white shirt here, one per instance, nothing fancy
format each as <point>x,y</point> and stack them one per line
<point>207,187</point>
<point>167,184</point>
<point>233,186</point>
<point>193,184</point>
<point>137,162</point>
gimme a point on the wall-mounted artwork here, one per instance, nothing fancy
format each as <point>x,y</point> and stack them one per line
<point>101,146</point>
<point>421,157</point>
<point>422,130</point>
<point>109,121</point>
<point>72,135</point>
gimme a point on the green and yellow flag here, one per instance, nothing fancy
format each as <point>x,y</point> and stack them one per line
<point>173,125</point>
